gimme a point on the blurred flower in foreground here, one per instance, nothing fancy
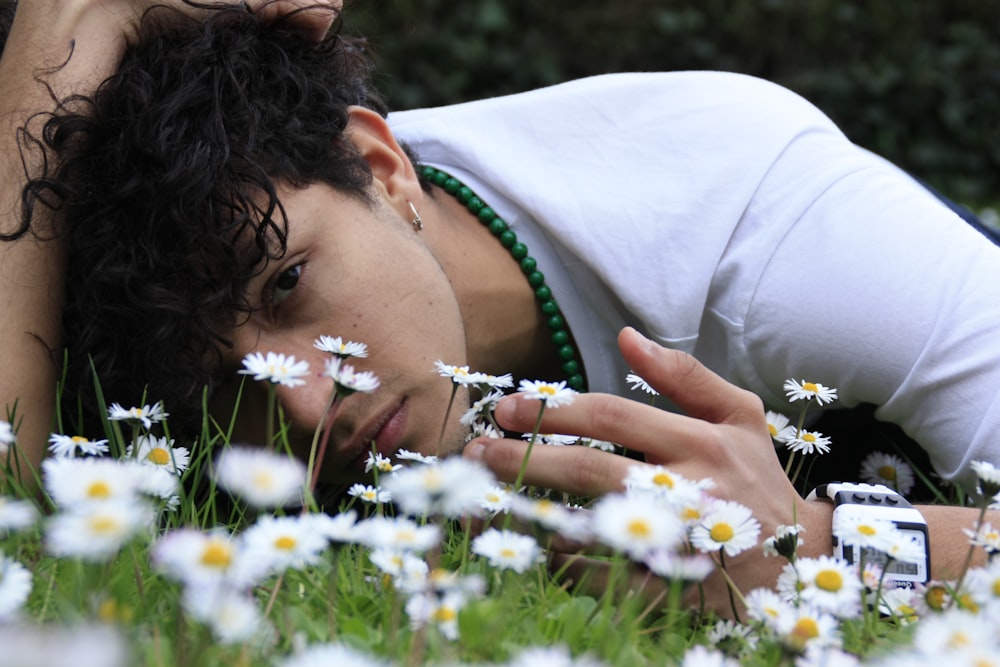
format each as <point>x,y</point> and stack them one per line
<point>262,478</point>
<point>507,550</point>
<point>15,586</point>
<point>67,446</point>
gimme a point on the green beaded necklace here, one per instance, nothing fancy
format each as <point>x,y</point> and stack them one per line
<point>499,228</point>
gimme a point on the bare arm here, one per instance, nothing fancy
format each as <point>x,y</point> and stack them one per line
<point>723,437</point>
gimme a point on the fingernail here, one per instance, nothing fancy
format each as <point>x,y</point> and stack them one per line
<point>474,451</point>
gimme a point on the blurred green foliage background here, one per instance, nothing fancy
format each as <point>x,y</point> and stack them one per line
<point>915,80</point>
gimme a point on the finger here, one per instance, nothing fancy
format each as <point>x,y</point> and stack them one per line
<point>688,383</point>
<point>635,425</point>
<point>574,470</point>
<point>311,18</point>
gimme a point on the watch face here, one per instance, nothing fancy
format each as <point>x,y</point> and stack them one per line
<point>904,574</point>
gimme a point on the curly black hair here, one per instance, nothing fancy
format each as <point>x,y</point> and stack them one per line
<point>163,184</point>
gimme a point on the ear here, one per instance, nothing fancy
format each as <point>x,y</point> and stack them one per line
<point>390,166</point>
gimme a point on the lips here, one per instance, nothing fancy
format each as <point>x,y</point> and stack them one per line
<point>385,428</point>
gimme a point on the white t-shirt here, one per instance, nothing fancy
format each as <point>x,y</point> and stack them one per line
<point>728,217</point>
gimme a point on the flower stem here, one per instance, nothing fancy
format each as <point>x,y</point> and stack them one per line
<point>447,416</point>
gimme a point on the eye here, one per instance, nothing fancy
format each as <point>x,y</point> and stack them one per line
<point>284,283</point>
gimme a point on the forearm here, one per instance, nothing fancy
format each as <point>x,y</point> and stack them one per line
<point>42,38</point>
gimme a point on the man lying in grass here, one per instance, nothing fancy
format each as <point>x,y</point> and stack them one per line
<point>220,182</point>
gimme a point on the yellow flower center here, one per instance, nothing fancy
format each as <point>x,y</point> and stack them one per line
<point>865,529</point>
<point>285,543</point>
<point>444,614</point>
<point>805,629</point>
<point>935,597</point>
<point>959,639</point>
<point>110,611</point>
<point>809,437</point>
<point>689,514</point>
<point>638,528</point>
<point>663,479</point>
<point>547,390</point>
<point>829,580</point>
<point>722,532</point>
<point>508,553</point>
<point>263,479</point>
<point>217,554</point>
<point>887,472</point>
<point>103,524</point>
<point>79,439</point>
<point>996,588</point>
<point>406,536</point>
<point>99,489</point>
<point>544,507</point>
<point>772,429</point>
<point>159,456</point>
<point>810,386</point>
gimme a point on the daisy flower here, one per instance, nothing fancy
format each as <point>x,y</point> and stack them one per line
<point>340,347</point>
<point>7,436</point>
<point>799,391</point>
<point>441,612</point>
<point>15,587</point>
<point>71,482</point>
<point>341,527</point>
<point>450,488</point>
<point>383,464</point>
<point>811,627</point>
<point>285,542</point>
<point>831,584</point>
<point>785,542</point>
<point>636,525</point>
<point>262,478</point>
<point>888,470</point>
<point>673,566</point>
<point>275,368</point>
<point>159,452</point>
<point>495,499</point>
<point>702,656</point>
<point>552,439</point>
<point>369,493</point>
<point>808,442</point>
<point>602,445</point>
<point>458,374</point>
<point>551,656</point>
<point>638,384</point>
<point>864,532</point>
<point>507,550</point>
<point>767,607</point>
<point>953,631</point>
<point>96,531</point>
<point>398,533</point>
<point>733,638</point>
<point>487,381</point>
<point>986,537</point>
<point>552,516</point>
<point>553,394</point>
<point>483,430</point>
<point>145,415</point>
<point>347,380</point>
<point>16,514</point>
<point>728,526</point>
<point>778,426</point>
<point>988,476</point>
<point>207,559</point>
<point>671,486</point>
<point>481,409</point>
<point>324,655</point>
<point>401,565</point>
<point>417,457</point>
<point>66,446</point>
<point>233,616</point>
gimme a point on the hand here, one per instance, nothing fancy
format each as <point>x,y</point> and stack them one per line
<point>723,436</point>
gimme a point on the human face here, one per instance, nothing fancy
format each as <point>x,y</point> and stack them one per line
<point>359,271</point>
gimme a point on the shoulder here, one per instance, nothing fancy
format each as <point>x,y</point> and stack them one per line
<point>666,95</point>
